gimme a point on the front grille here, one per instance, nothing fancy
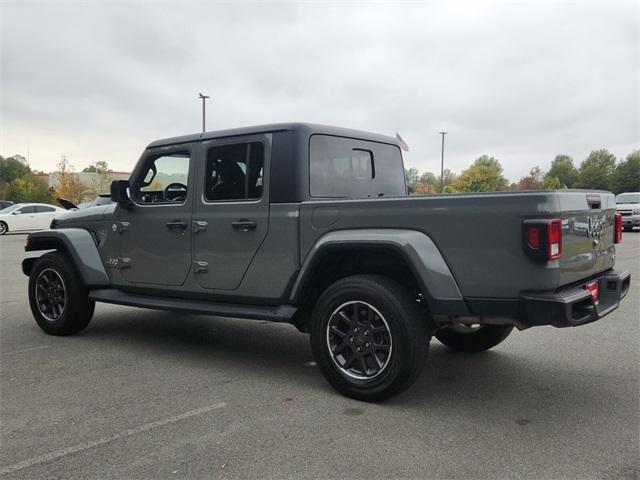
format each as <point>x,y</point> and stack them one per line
<point>625,213</point>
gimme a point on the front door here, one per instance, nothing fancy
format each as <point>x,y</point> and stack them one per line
<point>231,214</point>
<point>155,240</point>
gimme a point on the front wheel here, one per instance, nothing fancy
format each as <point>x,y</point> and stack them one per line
<point>473,338</point>
<point>59,301</point>
<point>3,228</point>
<point>369,337</point>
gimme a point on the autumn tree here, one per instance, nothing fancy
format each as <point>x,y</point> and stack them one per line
<point>485,175</point>
<point>563,169</point>
<point>69,186</point>
<point>595,171</point>
<point>533,181</point>
<point>626,176</point>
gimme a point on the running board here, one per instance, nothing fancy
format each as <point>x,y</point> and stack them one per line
<point>282,313</point>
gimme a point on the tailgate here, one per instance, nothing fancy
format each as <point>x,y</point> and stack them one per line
<point>588,224</point>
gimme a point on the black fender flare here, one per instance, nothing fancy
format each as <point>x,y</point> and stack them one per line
<point>418,250</point>
<point>78,244</point>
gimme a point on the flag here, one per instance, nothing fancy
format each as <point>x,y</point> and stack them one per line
<point>403,144</point>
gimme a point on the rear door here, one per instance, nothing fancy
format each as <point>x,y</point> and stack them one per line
<point>231,213</point>
<point>43,216</point>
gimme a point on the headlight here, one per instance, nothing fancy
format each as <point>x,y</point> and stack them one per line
<point>636,211</point>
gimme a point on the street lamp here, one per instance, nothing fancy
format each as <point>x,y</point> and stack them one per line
<point>442,164</point>
<point>204,99</point>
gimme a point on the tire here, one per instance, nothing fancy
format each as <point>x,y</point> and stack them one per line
<point>59,301</point>
<point>396,327</point>
<point>472,340</point>
<point>3,228</point>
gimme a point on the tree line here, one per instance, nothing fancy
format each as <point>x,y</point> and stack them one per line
<point>600,170</point>
<point>20,184</point>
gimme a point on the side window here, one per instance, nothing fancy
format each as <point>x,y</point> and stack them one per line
<point>29,209</point>
<point>164,180</point>
<point>43,209</point>
<point>352,168</point>
<point>234,172</point>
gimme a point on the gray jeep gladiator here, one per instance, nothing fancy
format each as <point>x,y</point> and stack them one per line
<point>312,225</point>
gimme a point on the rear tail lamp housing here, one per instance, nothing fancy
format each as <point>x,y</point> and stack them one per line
<point>617,230</point>
<point>542,238</point>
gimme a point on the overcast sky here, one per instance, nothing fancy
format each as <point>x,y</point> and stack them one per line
<point>519,81</point>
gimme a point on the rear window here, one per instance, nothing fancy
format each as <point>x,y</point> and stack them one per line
<point>350,168</point>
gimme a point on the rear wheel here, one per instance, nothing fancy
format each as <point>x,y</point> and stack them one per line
<point>473,338</point>
<point>369,337</point>
<point>59,301</point>
<point>3,228</point>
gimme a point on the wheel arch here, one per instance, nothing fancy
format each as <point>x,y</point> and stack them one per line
<point>78,245</point>
<point>408,256</point>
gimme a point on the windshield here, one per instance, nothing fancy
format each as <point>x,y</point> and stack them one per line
<point>10,208</point>
<point>628,198</point>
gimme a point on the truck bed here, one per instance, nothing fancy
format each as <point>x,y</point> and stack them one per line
<point>479,235</point>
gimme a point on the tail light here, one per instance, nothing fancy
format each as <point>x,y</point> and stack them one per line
<point>542,239</point>
<point>554,239</point>
<point>617,230</point>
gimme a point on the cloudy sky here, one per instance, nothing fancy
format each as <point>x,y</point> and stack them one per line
<point>520,81</point>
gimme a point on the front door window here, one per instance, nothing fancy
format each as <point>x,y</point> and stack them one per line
<point>165,180</point>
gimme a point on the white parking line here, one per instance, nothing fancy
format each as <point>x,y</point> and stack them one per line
<point>13,352</point>
<point>30,462</point>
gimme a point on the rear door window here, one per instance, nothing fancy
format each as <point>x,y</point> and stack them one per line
<point>44,209</point>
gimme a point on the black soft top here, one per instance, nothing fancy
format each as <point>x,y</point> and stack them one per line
<point>305,129</point>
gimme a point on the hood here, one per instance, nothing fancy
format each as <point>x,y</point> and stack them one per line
<point>627,206</point>
<point>88,214</point>
<point>67,204</point>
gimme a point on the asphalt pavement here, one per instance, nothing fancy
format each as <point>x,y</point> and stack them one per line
<point>142,394</point>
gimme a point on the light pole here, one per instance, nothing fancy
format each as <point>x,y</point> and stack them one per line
<point>442,164</point>
<point>204,99</point>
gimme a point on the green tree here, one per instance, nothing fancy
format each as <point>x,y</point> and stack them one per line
<point>562,167</point>
<point>101,181</point>
<point>28,188</point>
<point>626,176</point>
<point>411,176</point>
<point>552,183</point>
<point>485,175</point>
<point>595,171</point>
<point>98,167</point>
<point>12,168</point>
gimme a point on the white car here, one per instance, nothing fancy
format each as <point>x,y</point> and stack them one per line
<point>28,216</point>
<point>628,205</point>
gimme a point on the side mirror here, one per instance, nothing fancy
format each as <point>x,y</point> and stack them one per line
<point>119,193</point>
<point>16,212</point>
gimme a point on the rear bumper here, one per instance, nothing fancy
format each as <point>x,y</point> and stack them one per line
<point>574,306</point>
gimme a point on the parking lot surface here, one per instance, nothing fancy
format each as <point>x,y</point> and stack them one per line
<point>146,394</point>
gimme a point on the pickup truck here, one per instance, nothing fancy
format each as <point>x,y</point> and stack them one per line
<point>312,225</point>
<point>628,205</point>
